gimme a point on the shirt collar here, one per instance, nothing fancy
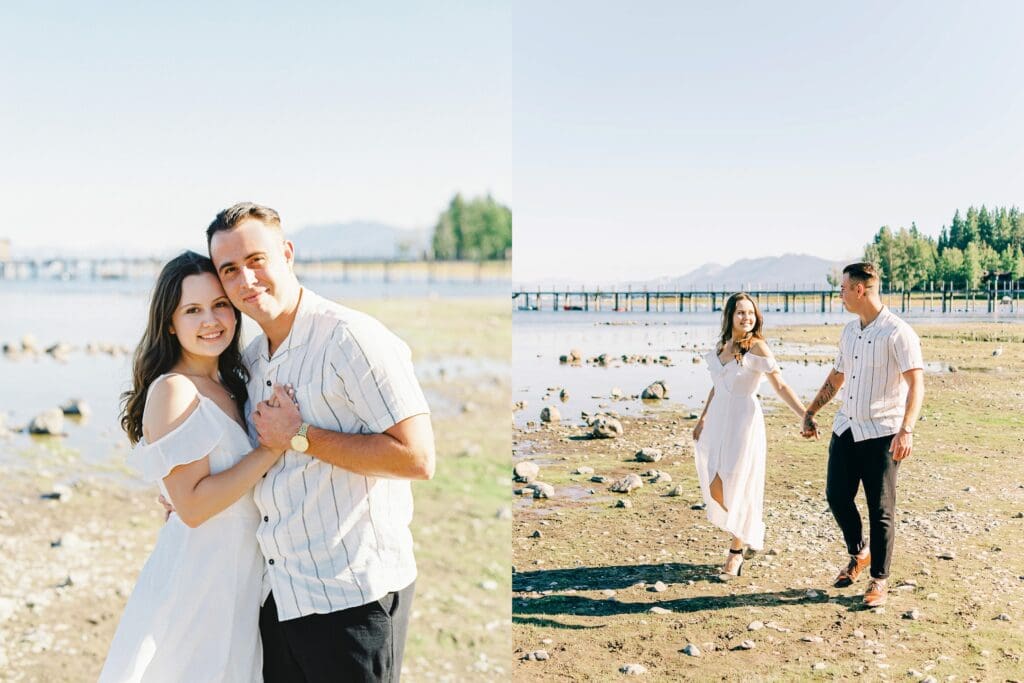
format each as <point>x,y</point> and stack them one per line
<point>302,325</point>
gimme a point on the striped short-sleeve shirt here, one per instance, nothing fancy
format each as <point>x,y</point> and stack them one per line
<point>873,360</point>
<point>333,539</point>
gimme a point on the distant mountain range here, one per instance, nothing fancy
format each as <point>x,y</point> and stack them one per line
<point>352,240</point>
<point>770,272</point>
<point>801,271</point>
<point>360,240</point>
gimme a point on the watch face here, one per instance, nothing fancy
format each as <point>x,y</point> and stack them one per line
<point>299,443</point>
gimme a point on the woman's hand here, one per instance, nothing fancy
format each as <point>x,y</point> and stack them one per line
<point>697,429</point>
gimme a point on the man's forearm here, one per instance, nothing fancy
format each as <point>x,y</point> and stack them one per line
<point>375,455</point>
<point>827,392</point>
<point>915,399</point>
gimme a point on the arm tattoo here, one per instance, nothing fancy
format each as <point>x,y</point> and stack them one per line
<point>825,394</point>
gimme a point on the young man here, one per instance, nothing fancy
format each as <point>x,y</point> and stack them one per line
<point>336,508</point>
<point>880,364</point>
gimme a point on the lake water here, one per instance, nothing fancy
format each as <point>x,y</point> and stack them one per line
<point>540,337</point>
<point>114,312</point>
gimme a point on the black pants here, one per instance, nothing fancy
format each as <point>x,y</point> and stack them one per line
<point>870,462</point>
<point>364,643</point>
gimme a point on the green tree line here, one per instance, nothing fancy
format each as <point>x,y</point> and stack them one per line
<point>479,229</point>
<point>977,243</point>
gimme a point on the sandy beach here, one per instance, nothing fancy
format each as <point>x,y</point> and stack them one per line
<point>70,561</point>
<point>597,587</point>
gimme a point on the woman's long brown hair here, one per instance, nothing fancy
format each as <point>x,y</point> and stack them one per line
<point>159,350</point>
<point>744,345</point>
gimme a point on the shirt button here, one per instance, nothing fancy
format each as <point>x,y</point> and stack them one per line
<point>266,518</point>
<point>269,383</point>
<point>270,561</point>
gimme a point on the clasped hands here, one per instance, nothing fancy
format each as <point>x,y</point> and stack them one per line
<point>277,419</point>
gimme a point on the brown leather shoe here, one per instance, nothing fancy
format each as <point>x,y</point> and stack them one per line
<point>852,571</point>
<point>876,594</point>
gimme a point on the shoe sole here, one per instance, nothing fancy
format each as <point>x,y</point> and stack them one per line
<point>843,583</point>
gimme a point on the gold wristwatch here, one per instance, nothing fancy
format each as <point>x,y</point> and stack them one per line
<point>299,442</point>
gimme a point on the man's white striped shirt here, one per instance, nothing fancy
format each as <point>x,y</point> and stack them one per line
<point>873,360</point>
<point>333,539</point>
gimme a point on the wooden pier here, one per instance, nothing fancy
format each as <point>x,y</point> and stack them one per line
<point>944,300</point>
<point>340,270</point>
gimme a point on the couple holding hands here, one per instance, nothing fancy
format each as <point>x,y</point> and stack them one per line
<point>878,374</point>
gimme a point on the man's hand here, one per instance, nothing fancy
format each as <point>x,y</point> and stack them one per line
<point>809,429</point>
<point>901,446</point>
<point>277,420</point>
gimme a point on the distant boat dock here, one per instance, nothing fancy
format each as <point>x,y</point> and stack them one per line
<point>332,269</point>
<point>946,300</point>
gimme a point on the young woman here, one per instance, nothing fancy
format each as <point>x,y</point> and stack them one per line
<point>729,437</point>
<point>194,613</point>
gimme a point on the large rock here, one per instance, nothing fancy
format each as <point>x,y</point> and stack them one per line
<point>657,390</point>
<point>525,471</point>
<point>550,414</point>
<point>48,422</point>
<point>605,427</point>
<point>628,483</point>
<point>649,455</point>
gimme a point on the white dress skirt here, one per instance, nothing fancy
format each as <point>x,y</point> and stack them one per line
<point>194,613</point>
<point>732,445</point>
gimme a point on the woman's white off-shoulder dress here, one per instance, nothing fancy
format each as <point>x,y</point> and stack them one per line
<point>194,613</point>
<point>733,446</point>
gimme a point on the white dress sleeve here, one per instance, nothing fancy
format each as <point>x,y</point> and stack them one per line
<point>763,364</point>
<point>192,440</point>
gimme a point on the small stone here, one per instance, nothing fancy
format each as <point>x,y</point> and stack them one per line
<point>932,596</point>
<point>628,484</point>
<point>525,471</point>
<point>649,455</point>
<point>698,506</point>
<point>659,587</point>
<point>812,639</point>
<point>857,633</point>
<point>913,615</point>
<point>746,645</point>
<point>622,503</point>
<point>633,669</point>
<point>947,555</point>
<point>970,489</point>
<point>659,610</point>
<point>655,390</point>
<point>536,534</point>
<point>605,427</point>
<point>489,585</point>
<point>676,491</point>
<point>755,626</point>
<point>60,493</point>
<point>542,490</point>
<point>1004,617</point>
<point>691,650</point>
<point>48,422</point>
<point>536,656</point>
<point>584,469</point>
<point>550,414</point>
<point>819,666</point>
<point>812,594</point>
<point>1019,515</point>
<point>598,479</point>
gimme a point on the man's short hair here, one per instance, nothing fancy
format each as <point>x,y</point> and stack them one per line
<point>864,272</point>
<point>230,217</point>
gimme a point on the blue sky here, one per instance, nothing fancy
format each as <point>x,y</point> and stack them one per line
<point>126,123</point>
<point>654,137</point>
